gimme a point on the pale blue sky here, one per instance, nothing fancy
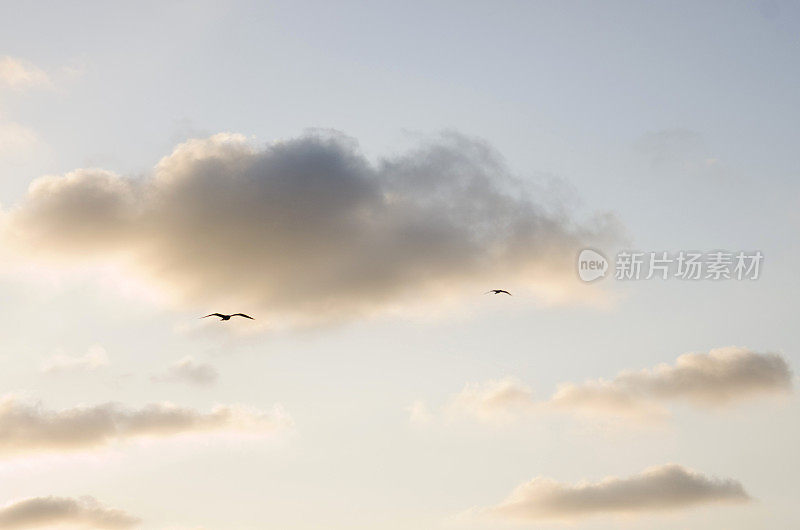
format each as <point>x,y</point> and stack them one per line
<point>680,118</point>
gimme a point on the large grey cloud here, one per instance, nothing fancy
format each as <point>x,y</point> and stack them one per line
<point>309,229</point>
<point>26,428</point>
<point>666,487</point>
<point>50,512</point>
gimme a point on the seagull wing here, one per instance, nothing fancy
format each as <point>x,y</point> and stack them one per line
<point>242,315</point>
<point>213,315</point>
<point>502,291</point>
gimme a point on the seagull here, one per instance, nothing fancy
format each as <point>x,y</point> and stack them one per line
<point>228,317</point>
<point>497,291</point>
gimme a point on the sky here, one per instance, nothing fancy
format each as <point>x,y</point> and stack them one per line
<point>356,176</point>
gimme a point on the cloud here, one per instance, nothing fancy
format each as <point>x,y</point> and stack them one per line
<point>95,358</point>
<point>41,512</point>
<point>190,371</point>
<point>666,487</point>
<point>28,428</point>
<point>19,74</point>
<point>308,230</point>
<point>717,378</point>
<point>493,401</point>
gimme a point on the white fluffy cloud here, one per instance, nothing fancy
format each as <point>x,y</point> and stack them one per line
<point>188,370</point>
<point>28,428</point>
<point>50,512</point>
<point>309,229</point>
<point>667,487</point>
<point>720,377</point>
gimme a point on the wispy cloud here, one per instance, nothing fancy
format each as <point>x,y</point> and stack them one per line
<point>666,487</point>
<point>20,74</point>
<point>188,370</point>
<point>95,358</point>
<point>308,230</point>
<point>26,428</point>
<point>50,512</point>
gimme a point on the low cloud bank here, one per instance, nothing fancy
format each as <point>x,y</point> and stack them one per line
<point>26,428</point>
<point>666,487</point>
<point>49,512</point>
<point>721,377</point>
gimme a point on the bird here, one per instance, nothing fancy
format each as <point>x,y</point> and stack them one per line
<point>228,317</point>
<point>498,291</point>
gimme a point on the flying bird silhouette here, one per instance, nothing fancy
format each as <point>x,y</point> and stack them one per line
<point>498,291</point>
<point>228,317</point>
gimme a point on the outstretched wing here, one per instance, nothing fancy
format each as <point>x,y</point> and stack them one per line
<point>242,315</point>
<point>213,315</point>
<point>502,291</point>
